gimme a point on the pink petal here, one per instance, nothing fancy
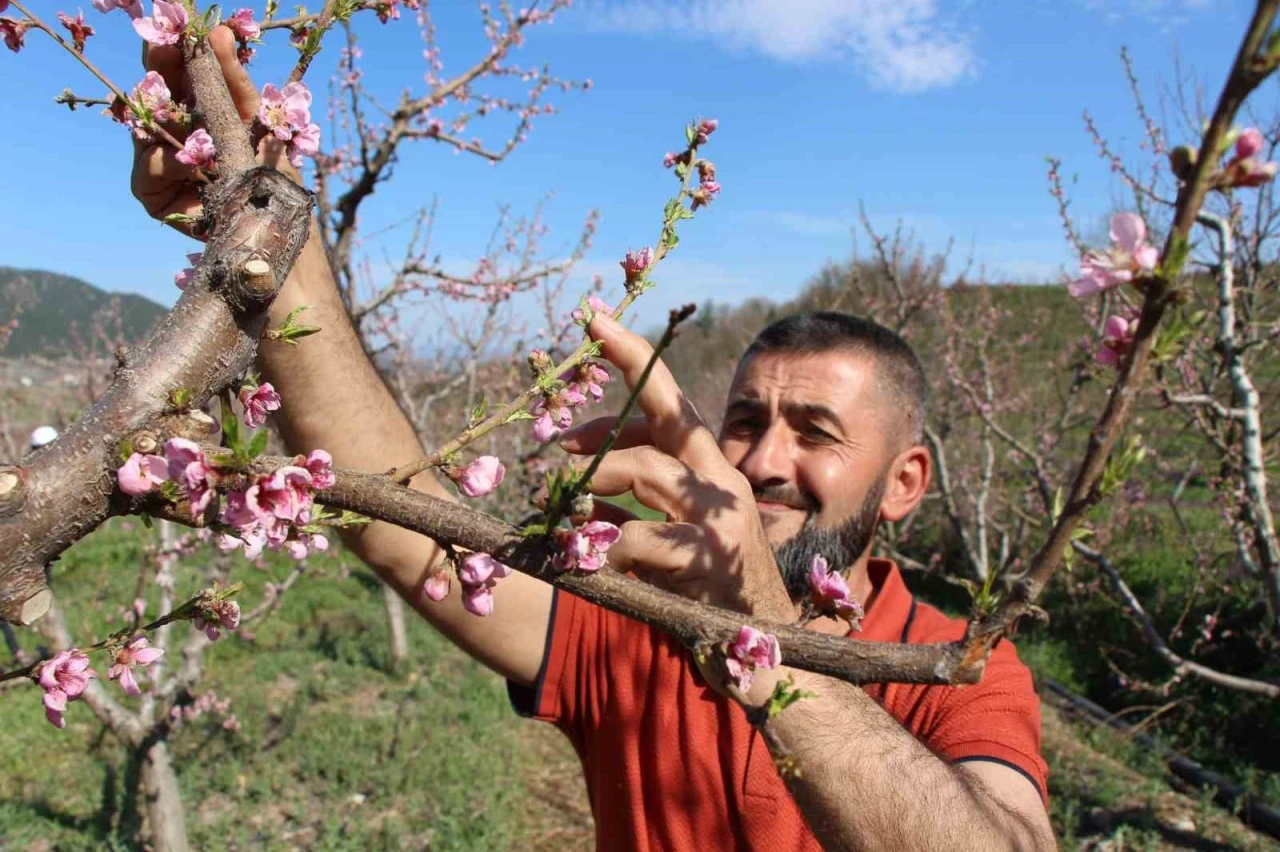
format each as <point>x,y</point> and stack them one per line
<point>1128,231</point>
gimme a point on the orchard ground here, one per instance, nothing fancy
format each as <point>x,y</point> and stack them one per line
<point>336,751</point>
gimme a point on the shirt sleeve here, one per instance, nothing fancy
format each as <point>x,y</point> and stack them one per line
<point>572,637</point>
<point>996,719</point>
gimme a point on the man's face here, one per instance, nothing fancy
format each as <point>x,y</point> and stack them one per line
<point>808,433</point>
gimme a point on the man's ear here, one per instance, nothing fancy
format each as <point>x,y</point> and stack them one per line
<point>908,482</point>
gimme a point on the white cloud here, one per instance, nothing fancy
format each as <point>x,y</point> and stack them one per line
<point>899,45</point>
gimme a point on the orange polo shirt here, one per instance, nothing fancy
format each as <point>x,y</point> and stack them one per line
<point>671,765</point>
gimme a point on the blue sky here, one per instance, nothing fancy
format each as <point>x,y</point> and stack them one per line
<point>938,114</point>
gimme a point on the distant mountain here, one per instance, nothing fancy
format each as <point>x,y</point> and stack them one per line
<point>59,315</point>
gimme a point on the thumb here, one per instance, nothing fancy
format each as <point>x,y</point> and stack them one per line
<point>243,92</point>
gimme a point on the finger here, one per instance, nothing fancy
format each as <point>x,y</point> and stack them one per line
<point>660,482</point>
<point>166,60</point>
<point>243,92</point>
<point>673,422</point>
<point>657,548</point>
<point>157,165</point>
<point>588,438</point>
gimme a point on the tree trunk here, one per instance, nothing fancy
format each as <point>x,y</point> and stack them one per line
<point>164,826</point>
<point>395,622</point>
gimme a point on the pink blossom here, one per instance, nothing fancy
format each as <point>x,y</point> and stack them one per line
<point>1249,142</point>
<point>437,585</point>
<point>584,548</point>
<point>286,494</point>
<point>243,25</point>
<point>63,679</point>
<point>14,33</point>
<point>705,128</point>
<point>596,305</point>
<point>1131,255</point>
<point>137,653</point>
<point>480,477</point>
<point>186,275</point>
<point>636,262</point>
<point>80,31</point>
<point>166,25</point>
<point>670,159</point>
<point>830,593</point>
<point>1250,173</point>
<point>197,151</point>
<point>320,465</point>
<point>283,112</point>
<point>478,575</point>
<point>752,650</point>
<point>590,378</point>
<point>141,473</point>
<point>305,143</point>
<point>153,95</point>
<point>704,194</point>
<point>1117,340</point>
<point>543,428</point>
<point>133,8</point>
<point>189,468</point>
<point>225,614</point>
<point>4,6</point>
<point>258,402</point>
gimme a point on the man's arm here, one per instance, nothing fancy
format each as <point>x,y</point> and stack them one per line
<point>866,783</point>
<point>334,399</point>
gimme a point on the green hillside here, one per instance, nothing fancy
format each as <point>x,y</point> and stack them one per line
<point>60,315</point>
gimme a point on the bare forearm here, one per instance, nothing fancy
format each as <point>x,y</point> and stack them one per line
<point>866,783</point>
<point>334,399</point>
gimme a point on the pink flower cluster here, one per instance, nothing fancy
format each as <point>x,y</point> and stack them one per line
<point>210,703</point>
<point>166,25</point>
<point>287,114</point>
<point>258,402</point>
<point>750,651</point>
<point>244,26</point>
<point>480,477</point>
<point>1117,340</point>
<point>584,548</point>
<point>138,652</point>
<point>218,614</point>
<point>271,511</point>
<point>1130,257</point>
<point>478,575</point>
<point>830,593</point>
<point>1244,169</point>
<point>152,101</point>
<point>64,678</point>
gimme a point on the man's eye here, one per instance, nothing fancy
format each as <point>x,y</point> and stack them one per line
<point>743,425</point>
<point>813,433</point>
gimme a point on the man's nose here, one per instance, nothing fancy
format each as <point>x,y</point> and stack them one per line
<point>770,460</point>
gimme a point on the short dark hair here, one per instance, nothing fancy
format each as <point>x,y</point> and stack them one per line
<point>814,332</point>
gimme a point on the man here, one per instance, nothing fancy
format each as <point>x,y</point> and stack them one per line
<point>820,442</point>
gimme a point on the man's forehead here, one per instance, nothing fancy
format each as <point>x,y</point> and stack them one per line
<point>827,378</point>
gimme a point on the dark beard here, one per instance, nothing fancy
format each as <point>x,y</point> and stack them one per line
<point>841,544</point>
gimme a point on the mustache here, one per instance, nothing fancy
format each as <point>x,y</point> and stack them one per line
<point>787,495</point>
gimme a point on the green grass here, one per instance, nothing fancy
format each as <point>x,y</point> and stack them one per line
<point>334,752</point>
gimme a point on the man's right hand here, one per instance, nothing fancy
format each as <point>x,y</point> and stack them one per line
<point>166,186</point>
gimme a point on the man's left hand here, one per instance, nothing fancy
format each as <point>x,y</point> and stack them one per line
<point>712,548</point>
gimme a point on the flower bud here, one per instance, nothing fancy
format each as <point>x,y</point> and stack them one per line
<point>1182,160</point>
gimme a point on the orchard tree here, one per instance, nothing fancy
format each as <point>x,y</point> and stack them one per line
<point>147,447</point>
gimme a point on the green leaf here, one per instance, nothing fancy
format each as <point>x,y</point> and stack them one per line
<point>478,413</point>
<point>1179,249</point>
<point>146,520</point>
<point>689,134</point>
<point>784,695</point>
<point>179,219</point>
<point>258,443</point>
<point>231,428</point>
<point>522,414</point>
